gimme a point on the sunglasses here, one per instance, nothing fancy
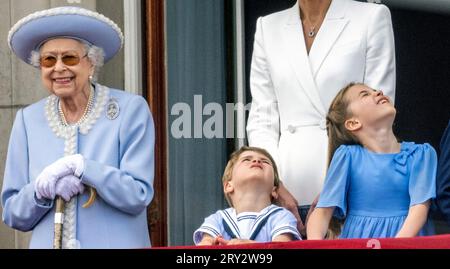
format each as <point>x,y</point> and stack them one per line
<point>68,59</point>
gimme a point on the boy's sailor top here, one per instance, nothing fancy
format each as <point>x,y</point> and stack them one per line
<point>262,227</point>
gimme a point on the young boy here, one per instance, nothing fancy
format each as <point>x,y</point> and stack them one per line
<point>250,182</point>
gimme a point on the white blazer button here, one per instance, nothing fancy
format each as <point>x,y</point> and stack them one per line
<point>323,124</point>
<point>291,129</point>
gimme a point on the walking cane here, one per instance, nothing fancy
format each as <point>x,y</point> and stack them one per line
<point>59,217</point>
<point>59,221</point>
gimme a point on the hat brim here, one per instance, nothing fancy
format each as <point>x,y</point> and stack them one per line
<point>32,34</point>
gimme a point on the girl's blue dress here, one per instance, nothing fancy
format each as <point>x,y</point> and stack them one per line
<point>375,191</point>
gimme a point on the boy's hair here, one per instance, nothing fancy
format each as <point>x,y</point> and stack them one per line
<point>337,115</point>
<point>234,158</point>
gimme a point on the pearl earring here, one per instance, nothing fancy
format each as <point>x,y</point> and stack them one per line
<point>91,78</point>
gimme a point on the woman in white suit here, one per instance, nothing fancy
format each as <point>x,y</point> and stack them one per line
<point>302,57</point>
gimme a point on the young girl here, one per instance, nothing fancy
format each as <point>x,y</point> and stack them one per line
<point>249,182</point>
<point>381,186</point>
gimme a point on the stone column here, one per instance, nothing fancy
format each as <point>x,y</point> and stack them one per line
<point>6,234</point>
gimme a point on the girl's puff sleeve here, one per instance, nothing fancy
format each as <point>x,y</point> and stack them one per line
<point>422,182</point>
<point>334,192</point>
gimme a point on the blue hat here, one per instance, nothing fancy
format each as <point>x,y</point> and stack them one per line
<point>31,32</point>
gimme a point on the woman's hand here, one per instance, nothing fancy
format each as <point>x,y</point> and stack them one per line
<point>68,187</point>
<point>45,185</point>
<point>286,200</point>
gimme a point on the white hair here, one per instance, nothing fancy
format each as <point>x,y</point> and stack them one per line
<point>96,56</point>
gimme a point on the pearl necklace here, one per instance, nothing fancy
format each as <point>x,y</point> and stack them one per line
<point>85,113</point>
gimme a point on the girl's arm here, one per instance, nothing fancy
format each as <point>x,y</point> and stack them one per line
<point>417,216</point>
<point>317,225</point>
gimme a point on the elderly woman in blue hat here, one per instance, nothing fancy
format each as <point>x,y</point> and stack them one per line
<point>84,136</point>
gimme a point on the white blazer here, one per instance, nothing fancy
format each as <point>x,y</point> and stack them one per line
<point>292,91</point>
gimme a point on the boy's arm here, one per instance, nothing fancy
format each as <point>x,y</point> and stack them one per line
<point>221,241</point>
<point>207,240</point>
<point>286,237</point>
<point>417,216</point>
<point>318,222</point>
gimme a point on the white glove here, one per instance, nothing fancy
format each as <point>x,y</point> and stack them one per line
<point>46,181</point>
<point>68,187</point>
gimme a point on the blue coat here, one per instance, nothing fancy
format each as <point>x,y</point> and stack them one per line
<point>119,157</point>
<point>443,176</point>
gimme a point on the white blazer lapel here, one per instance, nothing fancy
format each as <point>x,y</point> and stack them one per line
<point>298,57</point>
<point>332,26</point>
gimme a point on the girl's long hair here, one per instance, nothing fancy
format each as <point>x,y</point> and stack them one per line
<point>338,135</point>
<point>337,115</point>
